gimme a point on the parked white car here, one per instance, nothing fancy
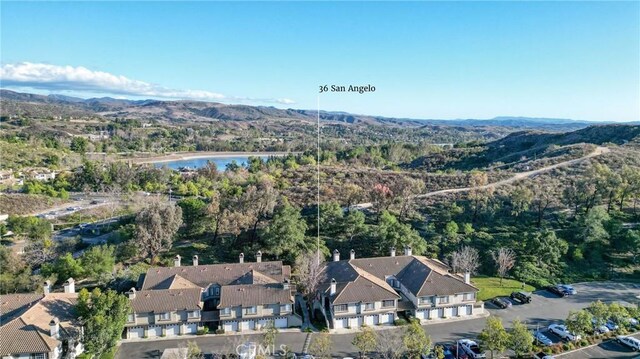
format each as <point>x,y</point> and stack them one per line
<point>472,349</point>
<point>563,332</point>
<point>631,342</point>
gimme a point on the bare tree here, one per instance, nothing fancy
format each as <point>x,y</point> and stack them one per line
<point>308,272</point>
<point>259,202</point>
<point>155,227</point>
<point>390,344</point>
<point>505,258</point>
<point>465,260</point>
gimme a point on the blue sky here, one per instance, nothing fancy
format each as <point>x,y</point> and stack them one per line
<point>447,60</point>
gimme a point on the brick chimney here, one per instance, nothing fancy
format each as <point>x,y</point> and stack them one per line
<point>70,286</point>
<point>195,260</point>
<point>467,277</point>
<point>176,260</point>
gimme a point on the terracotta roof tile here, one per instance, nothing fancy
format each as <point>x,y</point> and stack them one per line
<point>253,294</point>
<point>167,300</point>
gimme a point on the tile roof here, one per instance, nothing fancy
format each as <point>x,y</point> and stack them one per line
<point>420,275</point>
<point>12,305</point>
<point>223,274</point>
<point>18,337</point>
<point>167,300</point>
<point>363,290</point>
<point>177,282</point>
<point>253,294</point>
<point>28,332</point>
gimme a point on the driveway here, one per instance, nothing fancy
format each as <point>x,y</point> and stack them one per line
<point>545,308</point>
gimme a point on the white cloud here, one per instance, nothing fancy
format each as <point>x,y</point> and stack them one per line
<point>69,78</point>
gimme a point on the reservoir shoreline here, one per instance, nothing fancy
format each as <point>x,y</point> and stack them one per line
<point>185,156</point>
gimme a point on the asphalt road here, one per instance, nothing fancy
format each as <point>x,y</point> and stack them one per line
<point>545,309</point>
<point>606,350</point>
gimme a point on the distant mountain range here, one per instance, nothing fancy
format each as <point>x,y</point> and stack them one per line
<point>17,103</point>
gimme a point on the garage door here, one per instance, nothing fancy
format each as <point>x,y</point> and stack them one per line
<point>244,326</point>
<point>135,333</point>
<point>191,328</point>
<point>231,327</point>
<point>281,323</point>
<point>422,314</point>
<point>155,331</point>
<point>369,320</point>
<point>340,323</point>
<point>173,330</point>
<point>386,318</point>
<point>469,310</point>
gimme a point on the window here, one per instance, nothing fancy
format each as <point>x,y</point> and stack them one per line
<point>194,314</point>
<point>131,318</point>
<point>225,311</point>
<point>250,310</point>
<point>388,303</point>
<point>165,316</point>
<point>38,356</point>
<point>443,300</point>
<point>469,296</point>
<point>340,308</point>
<point>393,282</point>
<point>369,306</point>
<point>285,308</point>
<point>425,300</point>
<point>216,290</point>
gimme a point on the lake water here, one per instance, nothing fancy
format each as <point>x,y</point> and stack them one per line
<point>220,162</point>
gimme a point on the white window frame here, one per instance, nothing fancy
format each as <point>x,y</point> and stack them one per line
<point>339,308</point>
<point>443,299</point>
<point>164,316</point>
<point>384,303</point>
<point>131,318</point>
<point>193,314</point>
<point>225,311</point>
<point>285,307</point>
<point>251,310</point>
<point>369,306</point>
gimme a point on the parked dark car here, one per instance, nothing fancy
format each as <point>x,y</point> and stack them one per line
<point>522,297</point>
<point>501,302</point>
<point>557,290</point>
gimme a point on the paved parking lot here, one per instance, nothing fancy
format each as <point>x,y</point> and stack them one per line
<point>545,309</point>
<point>609,350</point>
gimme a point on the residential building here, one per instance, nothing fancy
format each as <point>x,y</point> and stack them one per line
<point>41,326</point>
<point>375,291</point>
<point>232,296</point>
<point>164,312</point>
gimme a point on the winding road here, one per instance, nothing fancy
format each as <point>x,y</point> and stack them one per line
<point>518,176</point>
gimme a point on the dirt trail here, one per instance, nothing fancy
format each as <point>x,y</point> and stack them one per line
<point>518,176</point>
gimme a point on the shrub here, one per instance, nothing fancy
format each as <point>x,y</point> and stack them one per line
<point>400,322</point>
<point>584,342</point>
<point>203,331</point>
<point>220,331</point>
